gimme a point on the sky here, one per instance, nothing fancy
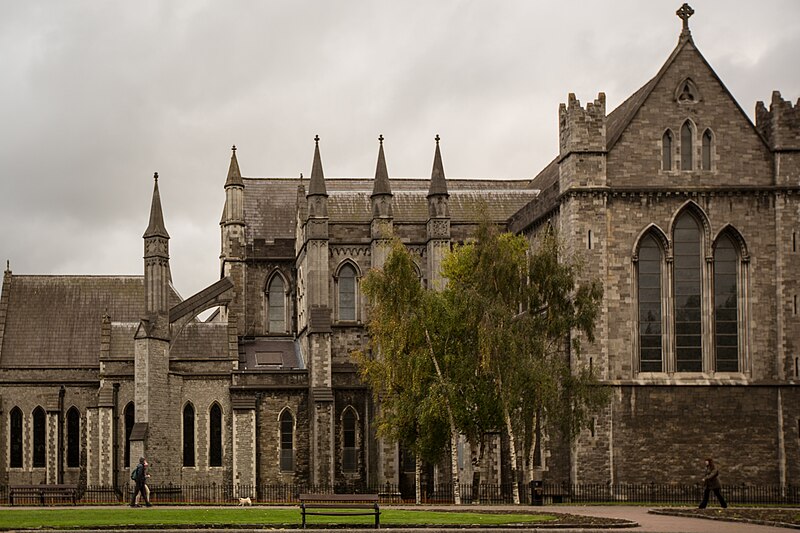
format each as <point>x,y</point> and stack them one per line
<point>96,96</point>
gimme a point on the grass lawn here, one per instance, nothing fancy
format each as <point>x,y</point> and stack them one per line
<point>124,516</point>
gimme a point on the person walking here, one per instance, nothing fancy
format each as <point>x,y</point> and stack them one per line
<point>138,476</point>
<point>711,482</point>
<point>146,492</point>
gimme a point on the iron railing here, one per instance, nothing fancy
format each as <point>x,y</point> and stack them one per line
<point>440,493</point>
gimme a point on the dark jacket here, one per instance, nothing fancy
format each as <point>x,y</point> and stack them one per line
<point>711,477</point>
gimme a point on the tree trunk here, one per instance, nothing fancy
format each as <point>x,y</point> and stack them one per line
<point>532,452</point>
<point>455,478</point>
<point>512,448</point>
<point>417,480</point>
<point>476,450</point>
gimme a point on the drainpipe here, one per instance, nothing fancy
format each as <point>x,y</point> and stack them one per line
<point>60,451</point>
<point>114,438</point>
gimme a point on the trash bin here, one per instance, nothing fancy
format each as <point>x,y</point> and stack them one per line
<point>536,493</point>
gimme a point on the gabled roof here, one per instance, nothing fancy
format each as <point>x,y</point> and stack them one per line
<point>270,203</point>
<point>55,321</point>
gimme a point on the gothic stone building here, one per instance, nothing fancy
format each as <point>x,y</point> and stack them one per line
<point>685,211</point>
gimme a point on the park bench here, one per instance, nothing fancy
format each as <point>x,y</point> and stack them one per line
<point>42,492</point>
<point>340,505</point>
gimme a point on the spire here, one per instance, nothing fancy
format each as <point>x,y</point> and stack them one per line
<point>156,227</point>
<point>438,181</point>
<point>234,175</point>
<point>381,185</point>
<point>317,185</point>
<point>684,13</point>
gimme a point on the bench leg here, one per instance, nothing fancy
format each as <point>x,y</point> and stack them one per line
<point>377,517</point>
<point>303,513</point>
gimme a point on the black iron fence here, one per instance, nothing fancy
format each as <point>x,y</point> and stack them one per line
<point>442,493</point>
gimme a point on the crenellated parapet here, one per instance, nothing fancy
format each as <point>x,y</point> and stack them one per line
<point>780,125</point>
<point>582,129</point>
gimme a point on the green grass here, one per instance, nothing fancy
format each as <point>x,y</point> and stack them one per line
<point>124,516</point>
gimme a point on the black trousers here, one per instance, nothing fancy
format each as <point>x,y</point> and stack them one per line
<point>717,493</point>
<point>139,489</point>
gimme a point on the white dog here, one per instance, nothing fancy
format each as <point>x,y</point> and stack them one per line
<point>245,502</point>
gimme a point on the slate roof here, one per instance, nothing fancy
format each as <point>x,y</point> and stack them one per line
<point>201,339</point>
<point>270,203</point>
<point>55,321</point>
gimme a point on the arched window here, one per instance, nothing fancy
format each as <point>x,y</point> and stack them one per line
<point>15,428</point>
<point>687,290</point>
<point>707,142</point>
<point>687,146</point>
<point>347,293</point>
<point>726,308</point>
<point>130,419</point>
<point>649,285</point>
<point>666,151</point>
<point>188,435</point>
<point>350,451</point>
<point>287,441</point>
<point>276,305</point>
<point>39,438</point>
<point>73,438</point>
<point>215,434</point>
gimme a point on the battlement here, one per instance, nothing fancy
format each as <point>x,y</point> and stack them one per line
<point>582,130</point>
<point>780,125</point>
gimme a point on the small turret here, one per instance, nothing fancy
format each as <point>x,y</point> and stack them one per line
<point>582,130</point>
<point>438,226</point>
<point>381,228</point>
<point>232,222</point>
<point>780,125</point>
<point>317,225</point>
<point>157,275</point>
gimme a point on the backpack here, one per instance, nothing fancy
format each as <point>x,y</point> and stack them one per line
<point>135,473</point>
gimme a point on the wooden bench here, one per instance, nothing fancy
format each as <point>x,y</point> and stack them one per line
<point>42,492</point>
<point>340,505</point>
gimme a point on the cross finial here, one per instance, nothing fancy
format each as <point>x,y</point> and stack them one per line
<point>8,265</point>
<point>437,138</point>
<point>316,139</point>
<point>155,176</point>
<point>380,138</point>
<point>684,13</point>
<point>233,148</point>
<point>301,176</point>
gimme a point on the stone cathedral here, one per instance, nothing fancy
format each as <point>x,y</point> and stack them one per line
<point>686,211</point>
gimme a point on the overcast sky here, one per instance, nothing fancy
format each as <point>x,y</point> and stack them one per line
<point>96,96</point>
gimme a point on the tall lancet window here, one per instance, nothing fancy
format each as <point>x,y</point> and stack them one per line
<point>666,151</point>
<point>15,430</point>
<point>130,418</point>
<point>215,436</point>
<point>347,293</point>
<point>39,438</point>
<point>726,308</point>
<point>688,290</point>
<point>687,146</point>
<point>649,285</point>
<point>276,304</point>
<point>73,438</point>
<point>188,435</point>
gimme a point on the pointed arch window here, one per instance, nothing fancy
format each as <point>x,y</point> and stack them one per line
<point>347,293</point>
<point>349,441</point>
<point>650,306</point>
<point>73,438</point>
<point>687,292</point>
<point>708,141</point>
<point>287,441</point>
<point>276,305</point>
<point>687,146</point>
<point>15,441</point>
<point>188,435</point>
<point>726,308</point>
<point>39,438</point>
<point>215,436</point>
<point>666,151</point>
<point>130,419</point>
